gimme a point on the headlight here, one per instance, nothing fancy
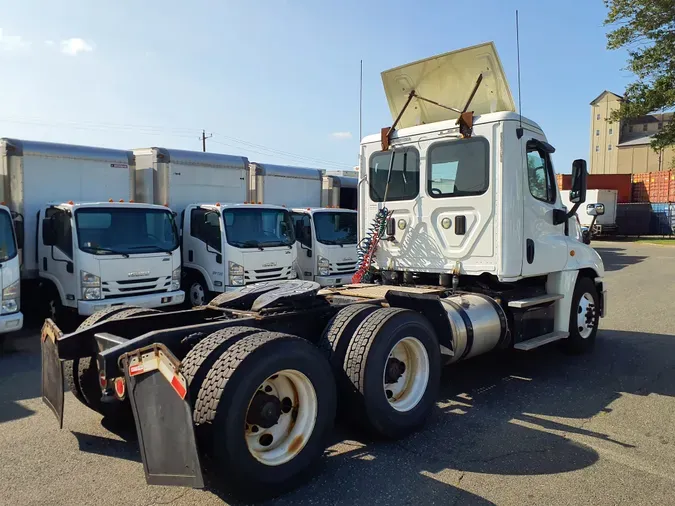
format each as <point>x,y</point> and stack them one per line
<point>91,286</point>
<point>10,298</point>
<point>89,280</point>
<point>236,274</point>
<point>293,274</point>
<point>91,293</point>
<point>175,279</point>
<point>324,266</point>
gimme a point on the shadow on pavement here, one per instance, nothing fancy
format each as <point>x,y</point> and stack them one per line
<point>19,373</point>
<point>127,450</point>
<point>616,259</point>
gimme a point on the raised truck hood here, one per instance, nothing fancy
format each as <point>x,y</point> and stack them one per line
<point>448,79</point>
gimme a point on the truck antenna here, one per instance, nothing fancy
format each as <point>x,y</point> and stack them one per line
<point>519,130</point>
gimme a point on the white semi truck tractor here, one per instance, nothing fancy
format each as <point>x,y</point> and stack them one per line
<point>227,240</point>
<point>468,250</point>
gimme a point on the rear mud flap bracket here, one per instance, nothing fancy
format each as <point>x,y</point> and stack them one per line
<point>163,417</point>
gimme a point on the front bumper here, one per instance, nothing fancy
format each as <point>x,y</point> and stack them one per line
<point>11,322</point>
<point>151,301</point>
<point>335,279</point>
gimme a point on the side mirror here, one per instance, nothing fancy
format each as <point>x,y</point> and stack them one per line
<point>579,177</point>
<point>595,209</point>
<point>210,217</point>
<point>48,232</point>
<point>586,236</point>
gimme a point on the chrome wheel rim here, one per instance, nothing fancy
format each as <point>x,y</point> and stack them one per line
<point>197,294</point>
<point>586,315</point>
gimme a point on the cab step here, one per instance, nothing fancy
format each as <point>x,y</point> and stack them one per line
<point>536,342</point>
<point>535,301</point>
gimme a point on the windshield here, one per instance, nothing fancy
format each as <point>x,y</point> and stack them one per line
<point>257,228</point>
<point>122,231</point>
<point>335,228</point>
<point>7,242</point>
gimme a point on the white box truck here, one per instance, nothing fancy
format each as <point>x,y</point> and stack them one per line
<point>601,224</point>
<point>86,247</point>
<point>11,317</point>
<point>227,242</point>
<point>484,264</point>
<point>326,244</point>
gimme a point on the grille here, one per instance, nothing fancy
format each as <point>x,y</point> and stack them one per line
<point>342,267</point>
<point>267,274</point>
<point>141,286</point>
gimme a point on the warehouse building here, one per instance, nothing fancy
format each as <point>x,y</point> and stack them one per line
<point>624,147</point>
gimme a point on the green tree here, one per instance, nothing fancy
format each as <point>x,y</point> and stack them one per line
<point>646,29</point>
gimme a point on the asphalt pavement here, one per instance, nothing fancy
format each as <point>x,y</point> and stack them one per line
<point>533,428</point>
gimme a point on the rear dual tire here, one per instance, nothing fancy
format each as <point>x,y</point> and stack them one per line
<point>264,408</point>
<point>388,368</point>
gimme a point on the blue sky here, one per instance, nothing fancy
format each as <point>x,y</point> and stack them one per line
<point>278,80</point>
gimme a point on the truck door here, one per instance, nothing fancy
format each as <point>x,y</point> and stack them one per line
<point>55,253</point>
<point>545,248</point>
<point>303,237</point>
<point>203,248</point>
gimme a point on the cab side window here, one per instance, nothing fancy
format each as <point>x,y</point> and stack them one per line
<point>540,175</point>
<point>205,226</point>
<point>303,228</point>
<point>64,230</point>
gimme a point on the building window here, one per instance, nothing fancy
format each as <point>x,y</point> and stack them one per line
<point>645,127</point>
<point>609,148</point>
<point>597,117</point>
<point>610,131</point>
<point>597,148</point>
<point>597,132</point>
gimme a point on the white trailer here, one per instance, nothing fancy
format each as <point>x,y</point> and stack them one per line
<point>227,242</point>
<point>484,263</point>
<point>604,223</point>
<point>86,247</point>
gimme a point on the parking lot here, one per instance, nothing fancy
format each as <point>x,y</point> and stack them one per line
<point>537,427</point>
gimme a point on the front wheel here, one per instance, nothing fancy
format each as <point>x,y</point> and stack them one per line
<point>584,317</point>
<point>198,293</point>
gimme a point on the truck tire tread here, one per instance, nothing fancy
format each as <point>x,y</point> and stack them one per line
<point>197,363</point>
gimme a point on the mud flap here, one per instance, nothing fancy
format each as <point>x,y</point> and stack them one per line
<point>158,396</point>
<point>52,370</point>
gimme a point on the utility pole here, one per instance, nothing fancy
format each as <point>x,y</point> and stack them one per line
<point>203,138</point>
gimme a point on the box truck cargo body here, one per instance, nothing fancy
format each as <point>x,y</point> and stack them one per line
<point>339,192</point>
<point>226,241</point>
<point>605,223</point>
<point>85,244</point>
<point>285,185</point>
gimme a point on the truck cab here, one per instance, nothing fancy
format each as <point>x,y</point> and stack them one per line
<point>11,318</point>
<point>227,246</point>
<point>92,256</point>
<point>326,244</point>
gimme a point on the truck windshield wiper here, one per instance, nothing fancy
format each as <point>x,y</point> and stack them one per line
<point>148,246</point>
<point>247,244</point>
<point>108,250</point>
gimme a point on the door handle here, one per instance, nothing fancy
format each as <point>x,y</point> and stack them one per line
<point>191,255</point>
<point>530,251</point>
<point>44,263</point>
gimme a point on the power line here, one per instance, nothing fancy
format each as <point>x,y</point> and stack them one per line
<point>186,133</point>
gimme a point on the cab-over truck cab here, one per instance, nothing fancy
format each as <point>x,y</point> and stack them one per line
<point>326,244</point>
<point>92,256</point>
<point>11,318</point>
<point>229,246</point>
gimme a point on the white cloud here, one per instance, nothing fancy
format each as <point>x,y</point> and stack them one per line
<point>75,46</point>
<point>12,42</point>
<point>341,135</point>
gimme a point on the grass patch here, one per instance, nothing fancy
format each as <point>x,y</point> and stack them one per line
<point>660,242</point>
